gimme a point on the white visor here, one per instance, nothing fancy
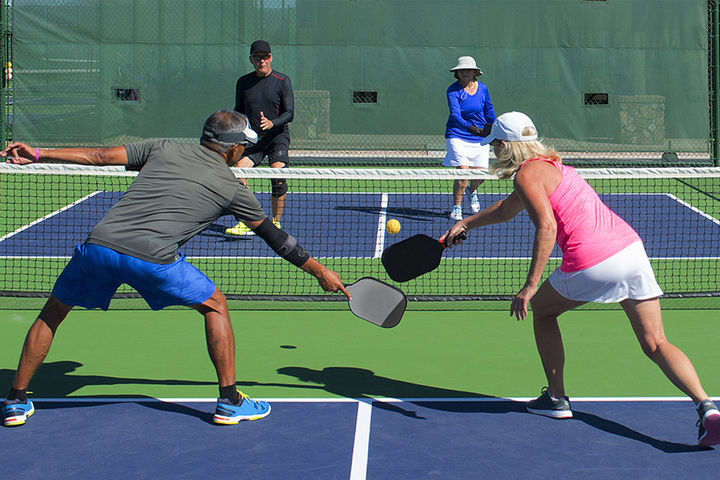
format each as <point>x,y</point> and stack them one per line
<point>250,134</point>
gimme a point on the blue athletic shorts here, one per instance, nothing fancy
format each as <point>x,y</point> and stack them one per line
<point>94,273</point>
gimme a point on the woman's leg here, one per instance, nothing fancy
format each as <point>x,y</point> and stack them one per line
<point>474,184</point>
<point>547,305</point>
<point>459,187</point>
<point>646,319</point>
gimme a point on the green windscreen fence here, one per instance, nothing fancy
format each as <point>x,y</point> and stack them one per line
<point>621,81</point>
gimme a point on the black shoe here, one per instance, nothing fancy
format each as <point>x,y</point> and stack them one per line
<point>549,406</point>
<point>709,424</point>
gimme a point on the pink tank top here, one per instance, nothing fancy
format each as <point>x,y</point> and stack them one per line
<point>588,232</point>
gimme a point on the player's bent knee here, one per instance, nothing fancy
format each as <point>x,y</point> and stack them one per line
<point>217,303</point>
<point>219,299</point>
<point>652,347</point>
<point>54,312</point>
<point>279,187</point>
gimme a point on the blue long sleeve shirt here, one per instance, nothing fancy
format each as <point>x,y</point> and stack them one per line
<point>466,110</point>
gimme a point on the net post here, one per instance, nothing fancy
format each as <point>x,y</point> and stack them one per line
<point>714,60</point>
<point>4,59</point>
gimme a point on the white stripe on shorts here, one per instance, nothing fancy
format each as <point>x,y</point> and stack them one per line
<point>627,274</point>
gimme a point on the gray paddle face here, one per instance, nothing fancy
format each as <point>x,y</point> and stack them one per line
<point>377,302</point>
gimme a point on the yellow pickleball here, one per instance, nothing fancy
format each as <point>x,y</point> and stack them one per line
<point>392,226</point>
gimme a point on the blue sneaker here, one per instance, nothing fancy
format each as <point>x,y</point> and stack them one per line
<point>16,412</point>
<point>456,213</point>
<point>474,202</point>
<point>228,414</point>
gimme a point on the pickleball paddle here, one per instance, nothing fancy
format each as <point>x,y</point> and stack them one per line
<point>412,257</point>
<point>377,302</point>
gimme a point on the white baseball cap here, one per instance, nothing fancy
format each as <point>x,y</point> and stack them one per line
<point>512,127</point>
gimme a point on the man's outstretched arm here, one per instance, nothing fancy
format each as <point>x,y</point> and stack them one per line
<point>21,154</point>
<point>287,247</point>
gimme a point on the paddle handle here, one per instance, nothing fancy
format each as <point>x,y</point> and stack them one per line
<point>461,236</point>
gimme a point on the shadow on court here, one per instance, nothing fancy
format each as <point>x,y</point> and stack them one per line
<point>620,430</point>
<point>151,403</point>
<point>402,213</point>
<point>352,382</point>
<point>55,380</point>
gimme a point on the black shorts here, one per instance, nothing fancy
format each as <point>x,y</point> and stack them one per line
<point>274,148</point>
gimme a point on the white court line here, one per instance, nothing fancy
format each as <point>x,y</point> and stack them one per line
<point>52,214</point>
<point>275,257</point>
<point>380,237</point>
<point>358,469</point>
<point>358,400</point>
<point>694,209</point>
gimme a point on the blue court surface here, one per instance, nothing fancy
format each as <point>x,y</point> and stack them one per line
<point>351,439</point>
<point>342,225</point>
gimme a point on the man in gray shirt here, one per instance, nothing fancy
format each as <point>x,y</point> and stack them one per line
<point>179,191</point>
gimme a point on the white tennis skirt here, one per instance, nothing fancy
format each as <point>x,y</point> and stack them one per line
<point>459,153</point>
<point>627,274</point>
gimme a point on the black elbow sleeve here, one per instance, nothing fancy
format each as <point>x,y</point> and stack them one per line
<point>283,244</point>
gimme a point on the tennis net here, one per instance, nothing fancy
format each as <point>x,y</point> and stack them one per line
<point>339,216</point>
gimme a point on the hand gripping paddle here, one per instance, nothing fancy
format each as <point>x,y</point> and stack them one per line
<point>413,257</point>
<point>377,302</point>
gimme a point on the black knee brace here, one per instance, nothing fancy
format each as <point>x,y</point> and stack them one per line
<point>279,187</point>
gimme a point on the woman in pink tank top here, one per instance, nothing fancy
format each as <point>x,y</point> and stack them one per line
<point>603,260</point>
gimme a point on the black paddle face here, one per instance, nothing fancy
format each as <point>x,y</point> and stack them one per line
<point>412,257</point>
<point>377,302</point>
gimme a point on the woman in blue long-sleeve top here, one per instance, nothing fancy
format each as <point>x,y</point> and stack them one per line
<point>471,113</point>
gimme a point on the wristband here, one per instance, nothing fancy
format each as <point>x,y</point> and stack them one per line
<point>37,155</point>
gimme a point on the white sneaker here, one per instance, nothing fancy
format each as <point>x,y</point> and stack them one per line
<point>474,202</point>
<point>456,213</point>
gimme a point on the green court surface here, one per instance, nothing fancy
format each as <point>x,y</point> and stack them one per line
<point>301,354</point>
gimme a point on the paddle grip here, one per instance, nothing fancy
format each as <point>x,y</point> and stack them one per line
<point>462,236</point>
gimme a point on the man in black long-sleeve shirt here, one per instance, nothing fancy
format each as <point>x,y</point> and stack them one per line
<point>266,97</point>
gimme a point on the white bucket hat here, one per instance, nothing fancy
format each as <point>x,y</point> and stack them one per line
<point>512,127</point>
<point>466,63</point>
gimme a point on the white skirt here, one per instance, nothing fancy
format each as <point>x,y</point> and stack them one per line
<point>627,274</point>
<point>459,152</point>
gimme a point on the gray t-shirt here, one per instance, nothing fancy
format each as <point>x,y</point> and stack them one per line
<point>180,190</point>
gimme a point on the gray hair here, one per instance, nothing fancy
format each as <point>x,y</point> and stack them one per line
<point>225,128</point>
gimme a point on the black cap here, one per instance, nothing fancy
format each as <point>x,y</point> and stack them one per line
<point>259,46</point>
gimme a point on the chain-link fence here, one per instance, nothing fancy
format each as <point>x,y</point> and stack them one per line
<point>620,82</point>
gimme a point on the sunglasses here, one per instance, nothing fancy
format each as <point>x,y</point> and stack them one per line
<point>257,58</point>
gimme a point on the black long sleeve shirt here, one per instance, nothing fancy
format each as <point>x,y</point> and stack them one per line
<point>272,95</point>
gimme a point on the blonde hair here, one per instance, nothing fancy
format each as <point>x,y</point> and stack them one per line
<point>514,154</point>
